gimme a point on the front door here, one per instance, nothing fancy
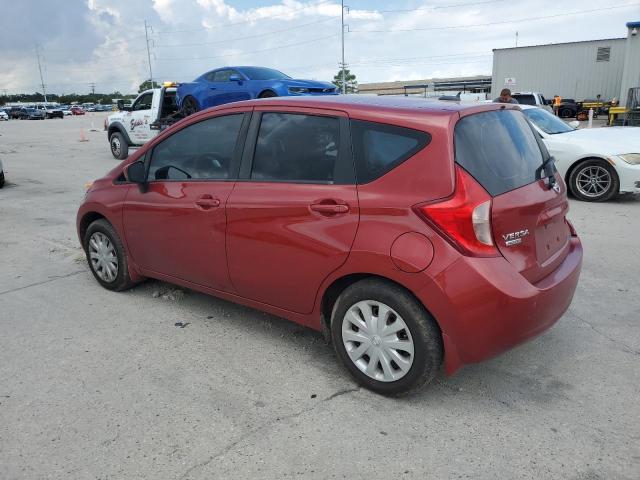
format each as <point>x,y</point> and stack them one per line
<point>138,119</point>
<point>177,227</point>
<point>223,90</point>
<point>293,218</point>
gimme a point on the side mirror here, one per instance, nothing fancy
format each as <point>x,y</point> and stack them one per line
<point>136,173</point>
<point>235,78</point>
<point>121,106</point>
<point>575,124</point>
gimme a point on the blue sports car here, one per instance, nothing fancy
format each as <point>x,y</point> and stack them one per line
<point>233,84</point>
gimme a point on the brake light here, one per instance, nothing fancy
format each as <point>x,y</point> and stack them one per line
<point>464,219</point>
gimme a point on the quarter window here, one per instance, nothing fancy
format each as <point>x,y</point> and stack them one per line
<point>296,148</point>
<point>378,148</point>
<point>200,151</point>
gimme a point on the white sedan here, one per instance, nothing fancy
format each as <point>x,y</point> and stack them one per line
<point>596,163</point>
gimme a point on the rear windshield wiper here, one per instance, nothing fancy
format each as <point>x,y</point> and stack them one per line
<point>548,167</point>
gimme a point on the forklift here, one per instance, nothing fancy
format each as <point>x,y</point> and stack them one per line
<point>629,115</point>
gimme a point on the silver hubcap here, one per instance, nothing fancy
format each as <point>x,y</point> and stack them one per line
<point>115,145</point>
<point>104,260</point>
<point>377,341</point>
<point>593,181</point>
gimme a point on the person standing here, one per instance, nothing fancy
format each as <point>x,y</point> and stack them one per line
<point>557,100</point>
<point>505,97</point>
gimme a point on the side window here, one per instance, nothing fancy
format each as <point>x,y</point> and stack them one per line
<point>525,99</point>
<point>143,103</point>
<point>379,148</point>
<point>222,75</point>
<point>203,150</point>
<point>210,77</point>
<point>296,148</point>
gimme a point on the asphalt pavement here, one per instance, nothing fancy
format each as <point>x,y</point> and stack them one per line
<point>161,383</point>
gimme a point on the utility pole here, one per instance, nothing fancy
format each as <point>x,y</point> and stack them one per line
<point>516,39</point>
<point>344,83</point>
<point>44,92</point>
<point>93,88</point>
<point>146,35</point>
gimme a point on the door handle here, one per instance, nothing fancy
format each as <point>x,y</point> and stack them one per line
<point>329,208</point>
<point>206,202</point>
<point>212,88</point>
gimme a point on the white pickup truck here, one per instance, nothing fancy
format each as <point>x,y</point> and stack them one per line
<point>150,113</point>
<point>532,98</point>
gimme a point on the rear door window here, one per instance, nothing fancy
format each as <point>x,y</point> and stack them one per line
<point>296,148</point>
<point>499,149</point>
<point>525,99</point>
<point>379,148</point>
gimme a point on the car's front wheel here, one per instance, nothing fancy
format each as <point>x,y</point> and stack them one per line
<point>594,181</point>
<point>106,256</point>
<point>268,94</point>
<point>385,337</point>
<point>119,146</point>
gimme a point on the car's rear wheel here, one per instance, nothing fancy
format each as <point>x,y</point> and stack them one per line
<point>268,94</point>
<point>385,337</point>
<point>106,256</point>
<point>190,106</point>
<point>119,146</point>
<point>594,181</point>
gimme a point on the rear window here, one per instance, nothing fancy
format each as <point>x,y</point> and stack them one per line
<point>379,148</point>
<point>499,149</point>
<point>525,99</point>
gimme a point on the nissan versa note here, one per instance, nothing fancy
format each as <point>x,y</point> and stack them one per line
<point>415,234</point>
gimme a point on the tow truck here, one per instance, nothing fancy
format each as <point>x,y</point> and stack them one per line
<point>150,113</point>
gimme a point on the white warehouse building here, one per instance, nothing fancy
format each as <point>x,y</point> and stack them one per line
<point>578,70</point>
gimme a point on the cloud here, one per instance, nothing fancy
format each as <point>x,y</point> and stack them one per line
<point>103,41</point>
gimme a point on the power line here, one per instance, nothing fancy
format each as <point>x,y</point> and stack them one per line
<point>528,19</point>
<point>253,51</point>
<point>244,38</point>
<point>252,20</point>
<point>439,7</point>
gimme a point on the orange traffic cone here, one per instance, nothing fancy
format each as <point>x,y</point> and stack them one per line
<point>83,137</point>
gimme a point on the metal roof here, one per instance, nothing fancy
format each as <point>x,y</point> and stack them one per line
<point>563,43</point>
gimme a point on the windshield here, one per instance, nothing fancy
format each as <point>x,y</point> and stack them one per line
<point>258,73</point>
<point>546,122</point>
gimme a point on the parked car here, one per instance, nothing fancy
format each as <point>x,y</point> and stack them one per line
<point>532,98</point>
<point>1,175</point>
<point>4,115</point>
<point>66,110</point>
<point>53,112</point>
<point>351,216</point>
<point>596,163</point>
<point>14,112</point>
<point>31,114</point>
<point>76,110</point>
<point>232,84</point>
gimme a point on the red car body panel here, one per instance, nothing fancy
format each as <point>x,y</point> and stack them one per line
<point>273,252</point>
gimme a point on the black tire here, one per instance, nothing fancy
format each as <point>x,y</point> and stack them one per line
<point>577,188</point>
<point>190,106</point>
<point>118,146</point>
<point>427,339</point>
<point>1,179</point>
<point>122,281</point>
<point>566,113</point>
<point>268,94</point>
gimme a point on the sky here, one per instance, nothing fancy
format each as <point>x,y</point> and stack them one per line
<point>102,42</point>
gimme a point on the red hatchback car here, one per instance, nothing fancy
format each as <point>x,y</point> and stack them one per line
<point>416,234</point>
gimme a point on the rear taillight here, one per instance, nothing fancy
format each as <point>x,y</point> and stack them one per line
<point>465,218</point>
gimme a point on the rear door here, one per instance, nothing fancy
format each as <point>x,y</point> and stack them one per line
<point>293,214</point>
<point>500,150</point>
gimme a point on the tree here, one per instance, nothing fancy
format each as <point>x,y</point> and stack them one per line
<point>350,81</point>
<point>146,85</point>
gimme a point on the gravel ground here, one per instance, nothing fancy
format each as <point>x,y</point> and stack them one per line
<point>160,383</point>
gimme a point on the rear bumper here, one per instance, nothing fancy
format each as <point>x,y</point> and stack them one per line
<point>486,308</point>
